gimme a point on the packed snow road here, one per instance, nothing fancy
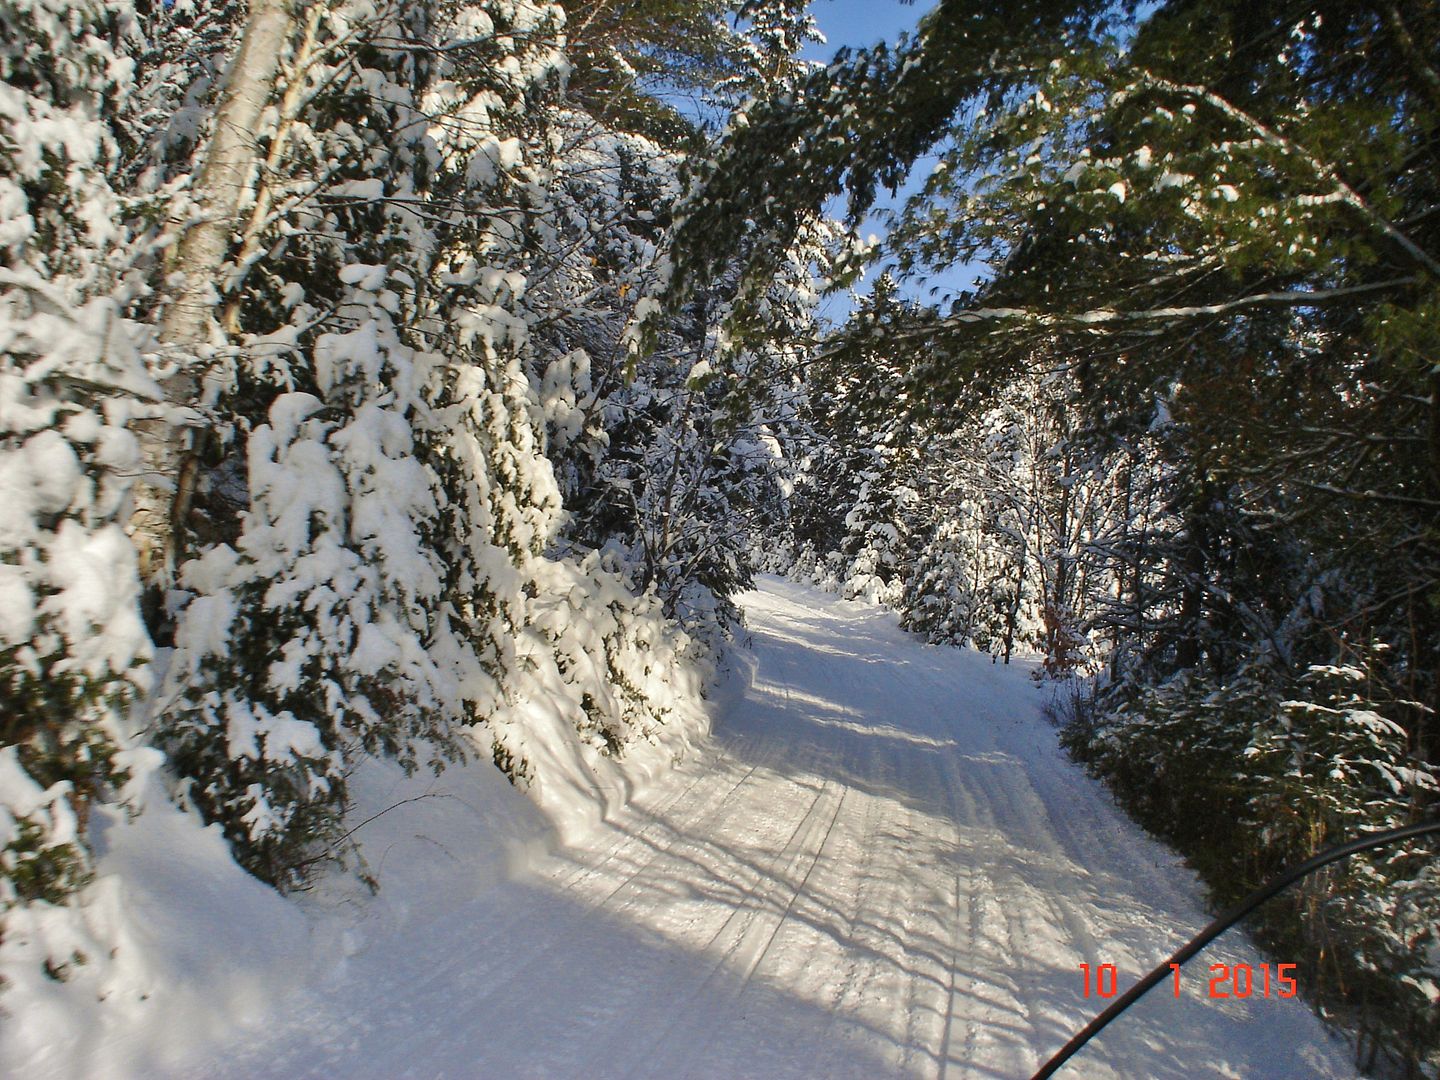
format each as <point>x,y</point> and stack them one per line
<point>881,866</point>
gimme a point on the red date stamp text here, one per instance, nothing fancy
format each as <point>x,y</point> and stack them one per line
<point>1226,980</point>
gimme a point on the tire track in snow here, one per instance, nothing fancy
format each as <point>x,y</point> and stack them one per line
<point>496,977</point>
<point>741,931</point>
<point>880,867</point>
<point>862,968</point>
<point>748,957</point>
<point>590,866</point>
<point>506,993</point>
<point>659,823</point>
<point>644,837</point>
<point>952,798</point>
<point>930,998</point>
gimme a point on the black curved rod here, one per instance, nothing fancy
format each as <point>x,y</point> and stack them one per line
<point>1223,923</point>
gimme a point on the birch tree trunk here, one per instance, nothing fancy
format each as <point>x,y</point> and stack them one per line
<point>222,189</point>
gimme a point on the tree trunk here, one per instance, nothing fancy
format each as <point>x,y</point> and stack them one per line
<point>1427,731</point>
<point>189,329</point>
<point>1192,601</point>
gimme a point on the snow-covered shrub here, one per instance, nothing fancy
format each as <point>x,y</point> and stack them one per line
<point>305,646</point>
<point>1323,766</point>
<point>876,547</point>
<point>499,507</point>
<point>73,649</point>
<point>1257,773</point>
<point>72,646</point>
<point>937,602</point>
<point>615,652</point>
<point>1332,762</point>
<point>1171,753</point>
<point>63,78</point>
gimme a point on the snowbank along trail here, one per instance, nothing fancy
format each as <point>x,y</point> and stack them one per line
<point>881,865</point>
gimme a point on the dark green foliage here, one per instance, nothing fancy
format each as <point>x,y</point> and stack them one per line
<point>1220,221</point>
<point>72,652</point>
<point>1251,773</point>
<point>854,127</point>
<point>628,58</point>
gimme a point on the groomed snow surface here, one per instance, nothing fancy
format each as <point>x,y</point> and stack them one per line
<point>879,865</point>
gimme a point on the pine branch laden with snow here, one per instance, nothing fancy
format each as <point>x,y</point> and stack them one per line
<point>387,588</point>
<point>73,650</point>
<point>366,603</point>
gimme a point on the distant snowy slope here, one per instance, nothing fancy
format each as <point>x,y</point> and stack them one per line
<point>881,865</point>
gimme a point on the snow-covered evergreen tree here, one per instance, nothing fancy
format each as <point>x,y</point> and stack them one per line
<point>938,600</point>
<point>429,296</point>
<point>369,600</point>
<point>72,647</point>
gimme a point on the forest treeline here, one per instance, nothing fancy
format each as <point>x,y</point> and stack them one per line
<point>325,436</point>
<point>375,366</point>
<point>1184,439</point>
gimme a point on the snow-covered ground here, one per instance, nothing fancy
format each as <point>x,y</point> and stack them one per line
<point>880,865</point>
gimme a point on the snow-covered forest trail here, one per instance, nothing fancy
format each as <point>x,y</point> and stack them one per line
<point>882,866</point>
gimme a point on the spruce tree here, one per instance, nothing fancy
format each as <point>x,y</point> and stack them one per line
<point>1219,221</point>
<point>73,651</point>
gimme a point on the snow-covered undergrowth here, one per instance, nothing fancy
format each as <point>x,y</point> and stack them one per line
<point>307,410</point>
<point>880,866</point>
<point>599,661</point>
<point>172,944</point>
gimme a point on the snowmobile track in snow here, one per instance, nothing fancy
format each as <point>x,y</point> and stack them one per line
<point>881,865</point>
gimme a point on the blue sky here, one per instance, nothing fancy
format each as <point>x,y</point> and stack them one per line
<point>859,24</point>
